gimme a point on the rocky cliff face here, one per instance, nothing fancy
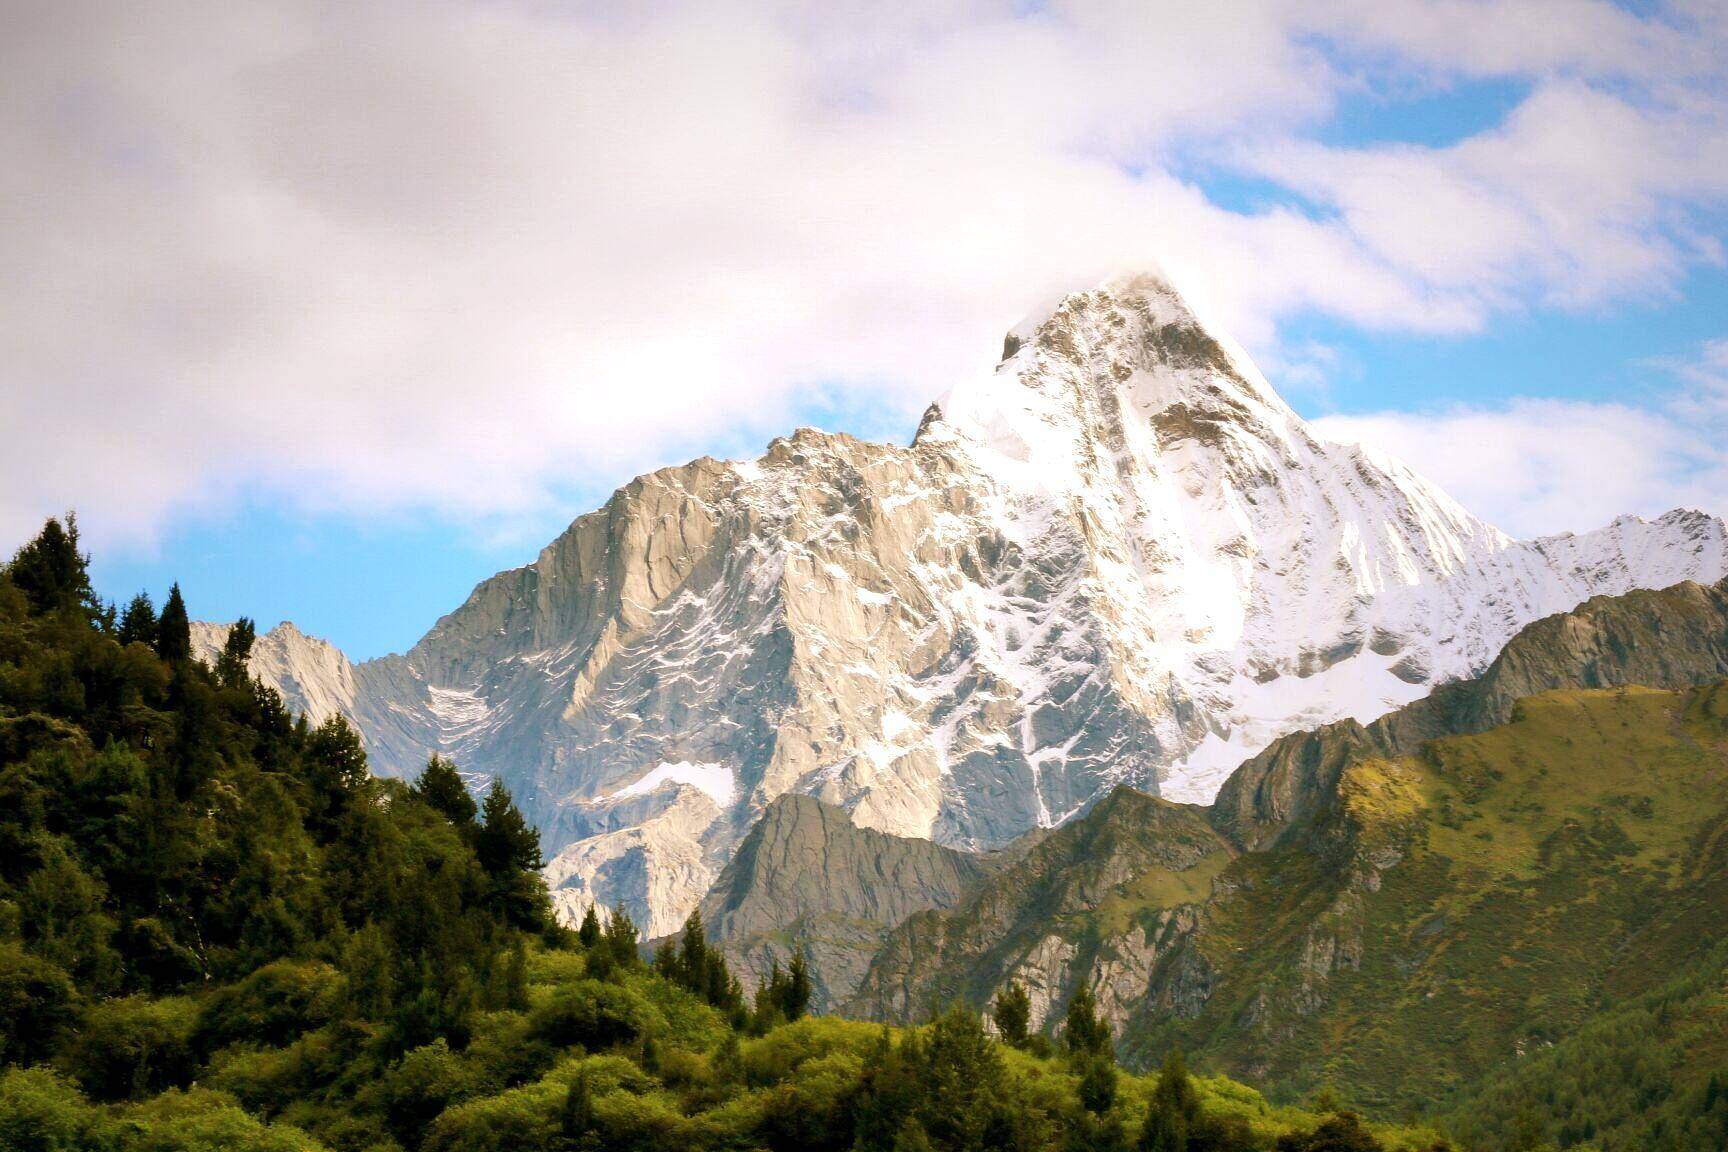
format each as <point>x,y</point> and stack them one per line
<point>807,880</point>
<point>1118,558</point>
<point>1401,888</point>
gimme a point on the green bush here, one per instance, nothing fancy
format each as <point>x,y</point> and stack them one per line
<point>132,1047</point>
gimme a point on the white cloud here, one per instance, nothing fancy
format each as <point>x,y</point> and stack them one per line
<point>458,254</point>
<point>1535,467</point>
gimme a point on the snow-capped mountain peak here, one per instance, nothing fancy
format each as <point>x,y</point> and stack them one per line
<point>1116,557</point>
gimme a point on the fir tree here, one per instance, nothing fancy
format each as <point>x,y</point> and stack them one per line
<point>138,622</point>
<point>1012,1015</point>
<point>1097,1088</point>
<point>51,572</point>
<point>589,932</point>
<point>1085,1033</point>
<point>621,938</point>
<point>796,1000</point>
<point>231,665</point>
<point>508,848</point>
<point>1164,1131</point>
<point>1175,1090</point>
<point>338,763</point>
<point>174,629</point>
<point>440,786</point>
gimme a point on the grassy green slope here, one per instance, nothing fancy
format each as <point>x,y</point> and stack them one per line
<point>1462,908</point>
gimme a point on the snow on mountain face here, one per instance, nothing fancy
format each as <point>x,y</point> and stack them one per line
<point>1118,558</point>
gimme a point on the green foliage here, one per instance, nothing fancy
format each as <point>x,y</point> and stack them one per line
<point>1012,1015</point>
<point>1340,1132</point>
<point>132,1047</point>
<point>231,664</point>
<point>50,571</point>
<point>441,787</point>
<point>508,849</point>
<point>1085,1034</point>
<point>783,995</point>
<point>703,970</point>
<point>138,622</point>
<point>174,629</point>
<point>218,931</point>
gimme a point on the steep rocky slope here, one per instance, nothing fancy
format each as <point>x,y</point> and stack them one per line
<point>1117,558</point>
<point>807,880</point>
<point>1466,879</point>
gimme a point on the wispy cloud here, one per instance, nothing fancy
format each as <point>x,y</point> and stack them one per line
<point>1535,467</point>
<point>458,254</point>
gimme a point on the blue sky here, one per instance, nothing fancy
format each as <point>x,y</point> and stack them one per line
<point>329,316</point>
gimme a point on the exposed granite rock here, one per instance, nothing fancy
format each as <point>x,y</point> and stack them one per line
<point>806,879</point>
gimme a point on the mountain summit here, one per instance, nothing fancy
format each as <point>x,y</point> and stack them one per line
<point>1117,558</point>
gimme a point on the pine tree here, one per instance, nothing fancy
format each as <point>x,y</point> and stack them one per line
<point>1085,1033</point>
<point>693,953</point>
<point>1176,1091</point>
<point>174,629</point>
<point>576,1120</point>
<point>1012,1014</point>
<point>962,1076</point>
<point>1164,1131</point>
<point>51,572</point>
<point>440,786</point>
<point>666,959</point>
<point>138,622</point>
<point>505,842</point>
<point>338,761</point>
<point>589,932</point>
<point>798,989</point>
<point>231,665</point>
<point>508,848</point>
<point>1097,1088</point>
<point>621,938</point>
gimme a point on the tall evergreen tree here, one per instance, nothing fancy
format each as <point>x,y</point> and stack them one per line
<point>174,629</point>
<point>1176,1090</point>
<point>622,938</point>
<point>338,756</point>
<point>589,932</point>
<point>232,664</point>
<point>798,989</point>
<point>1085,1033</point>
<point>138,622</point>
<point>1012,1015</point>
<point>51,572</point>
<point>1097,1088</point>
<point>440,785</point>
<point>505,842</point>
<point>508,848</point>
<point>1163,1131</point>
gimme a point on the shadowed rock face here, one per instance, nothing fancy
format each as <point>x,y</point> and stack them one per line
<point>806,879</point>
<point>1386,897</point>
<point>1116,558</point>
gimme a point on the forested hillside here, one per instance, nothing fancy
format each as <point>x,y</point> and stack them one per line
<point>219,931</point>
<point>1507,903</point>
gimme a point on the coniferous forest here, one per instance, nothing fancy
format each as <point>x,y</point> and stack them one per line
<point>218,930</point>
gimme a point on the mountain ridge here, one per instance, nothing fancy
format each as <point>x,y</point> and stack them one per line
<point>1116,557</point>
<point>1555,817</point>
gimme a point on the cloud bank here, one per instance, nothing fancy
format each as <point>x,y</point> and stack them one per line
<point>460,256</point>
<point>1535,467</point>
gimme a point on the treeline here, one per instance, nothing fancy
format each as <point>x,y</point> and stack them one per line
<point>219,931</point>
<point>1643,1074</point>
